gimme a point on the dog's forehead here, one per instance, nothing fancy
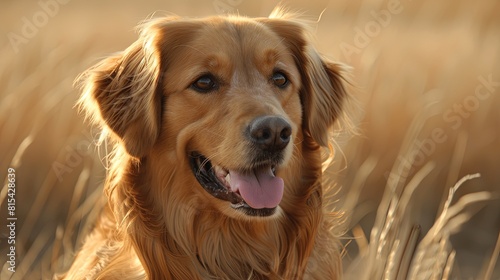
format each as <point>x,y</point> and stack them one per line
<point>239,38</point>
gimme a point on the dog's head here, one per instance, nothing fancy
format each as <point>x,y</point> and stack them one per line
<point>224,102</point>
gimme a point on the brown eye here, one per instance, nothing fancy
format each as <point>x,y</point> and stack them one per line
<point>279,79</point>
<point>204,84</point>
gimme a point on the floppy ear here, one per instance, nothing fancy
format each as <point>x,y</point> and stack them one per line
<point>322,91</point>
<point>123,93</point>
<point>322,94</point>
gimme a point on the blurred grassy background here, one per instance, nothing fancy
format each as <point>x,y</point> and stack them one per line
<point>416,69</point>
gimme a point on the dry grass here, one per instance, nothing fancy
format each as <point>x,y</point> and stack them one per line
<point>406,214</point>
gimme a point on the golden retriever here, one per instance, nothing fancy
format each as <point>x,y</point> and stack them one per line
<point>218,126</point>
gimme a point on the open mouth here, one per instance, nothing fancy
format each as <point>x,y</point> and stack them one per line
<point>255,192</point>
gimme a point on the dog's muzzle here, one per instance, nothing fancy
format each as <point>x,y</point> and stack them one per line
<point>255,190</point>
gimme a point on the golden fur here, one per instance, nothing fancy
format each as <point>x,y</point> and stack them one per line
<point>159,222</point>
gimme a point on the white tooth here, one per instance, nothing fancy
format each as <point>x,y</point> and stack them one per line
<point>228,179</point>
<point>219,171</point>
<point>271,171</point>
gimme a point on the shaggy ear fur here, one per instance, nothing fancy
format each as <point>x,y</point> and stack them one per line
<point>123,93</point>
<point>323,95</point>
<point>322,91</point>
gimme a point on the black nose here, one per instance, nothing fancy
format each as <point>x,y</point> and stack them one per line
<point>270,133</point>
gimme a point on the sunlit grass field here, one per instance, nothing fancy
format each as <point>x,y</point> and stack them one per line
<point>425,86</point>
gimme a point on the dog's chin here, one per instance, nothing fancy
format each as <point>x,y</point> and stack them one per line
<point>216,181</point>
<point>247,214</point>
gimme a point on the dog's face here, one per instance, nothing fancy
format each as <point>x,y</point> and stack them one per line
<point>224,103</point>
<point>233,102</point>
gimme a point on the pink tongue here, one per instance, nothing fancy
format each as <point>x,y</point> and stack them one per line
<point>260,188</point>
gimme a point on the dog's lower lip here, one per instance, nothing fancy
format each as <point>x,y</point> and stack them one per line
<point>238,205</point>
